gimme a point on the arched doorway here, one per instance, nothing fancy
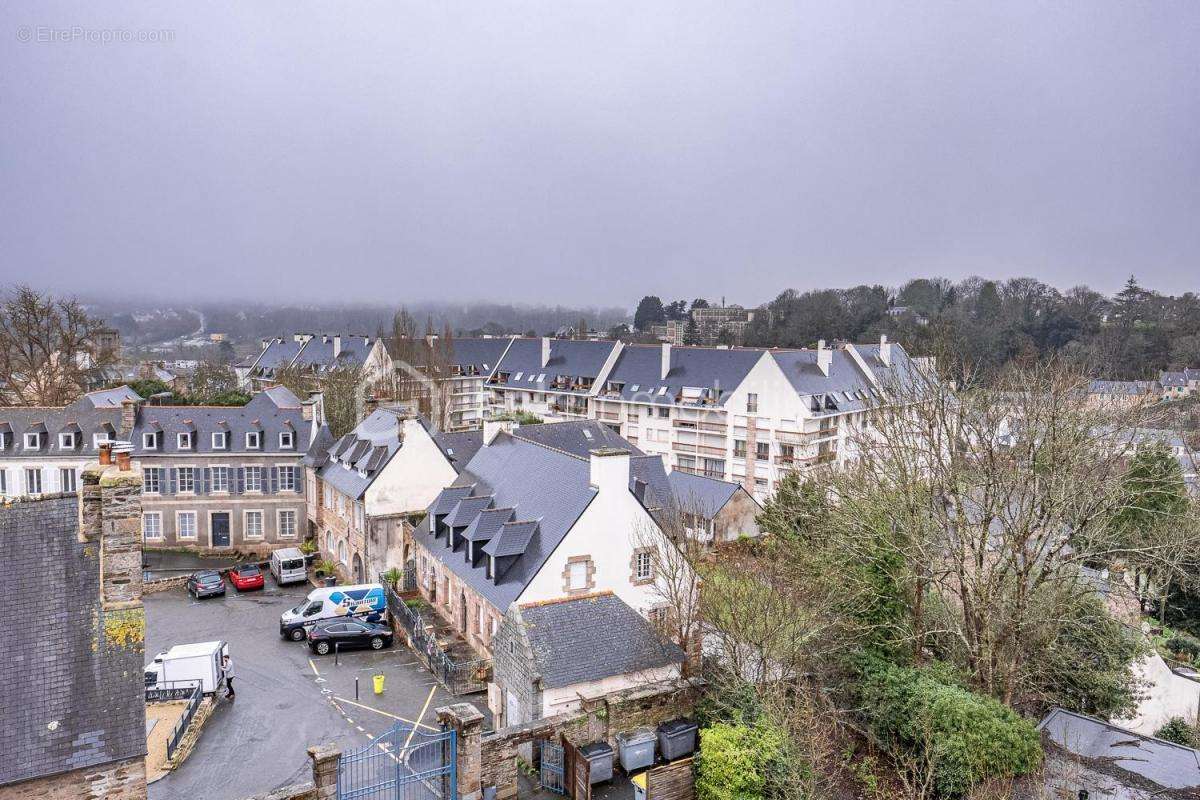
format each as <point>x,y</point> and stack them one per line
<point>359,573</point>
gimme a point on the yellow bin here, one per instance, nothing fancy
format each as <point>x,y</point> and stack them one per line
<point>378,684</point>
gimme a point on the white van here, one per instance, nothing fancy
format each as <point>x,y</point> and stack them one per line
<point>185,665</point>
<point>287,565</point>
<point>365,601</point>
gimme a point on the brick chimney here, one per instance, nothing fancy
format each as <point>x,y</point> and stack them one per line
<point>665,364</point>
<point>610,469</point>
<point>824,358</point>
<point>110,513</point>
<point>128,417</point>
<point>545,351</point>
<point>885,350</point>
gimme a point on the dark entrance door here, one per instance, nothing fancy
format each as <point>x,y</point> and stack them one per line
<point>220,529</point>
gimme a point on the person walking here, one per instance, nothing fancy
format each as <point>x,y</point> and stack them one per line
<point>227,665</point>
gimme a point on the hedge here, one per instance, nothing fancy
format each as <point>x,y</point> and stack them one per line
<point>735,761</point>
<point>966,737</point>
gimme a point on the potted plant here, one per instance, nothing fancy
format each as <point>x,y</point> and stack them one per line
<point>394,576</point>
<point>325,568</point>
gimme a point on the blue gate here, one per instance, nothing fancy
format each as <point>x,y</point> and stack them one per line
<point>405,763</point>
<point>551,767</point>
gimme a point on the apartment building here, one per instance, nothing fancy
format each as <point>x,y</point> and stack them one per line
<point>461,380</point>
<point>716,321</point>
<point>365,488</point>
<point>223,477</point>
<point>546,514</point>
<point>552,378</point>
<point>43,449</point>
<point>745,415</point>
<point>316,355</point>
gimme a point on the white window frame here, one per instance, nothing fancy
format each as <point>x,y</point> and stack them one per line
<point>36,439</point>
<point>99,438</point>
<point>224,470</point>
<point>179,480</point>
<point>287,440</point>
<point>183,440</point>
<point>280,516</point>
<point>262,524</point>
<point>156,473</point>
<point>157,517</point>
<point>287,469</point>
<point>220,440</point>
<point>247,471</point>
<point>582,566</point>
<point>149,441</point>
<point>36,472</point>
<point>73,479</point>
<point>257,438</point>
<point>343,553</point>
<point>638,574</point>
<point>179,527</point>
<point>64,437</point>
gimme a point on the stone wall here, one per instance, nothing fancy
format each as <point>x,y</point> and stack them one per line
<point>116,780</point>
<point>515,672</point>
<point>324,762</point>
<point>496,753</point>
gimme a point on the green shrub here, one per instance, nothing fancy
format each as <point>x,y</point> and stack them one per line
<point>1183,647</point>
<point>393,576</point>
<point>325,567</point>
<point>1178,730</point>
<point>966,738</point>
<point>735,761</point>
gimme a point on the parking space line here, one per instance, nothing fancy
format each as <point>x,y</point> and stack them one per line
<point>385,713</point>
<point>313,664</point>
<point>420,716</point>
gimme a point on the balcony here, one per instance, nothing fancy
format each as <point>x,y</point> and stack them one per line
<point>706,473</point>
<point>702,449</point>
<point>566,408</point>
<point>611,416</point>
<point>698,425</point>
<point>805,437</point>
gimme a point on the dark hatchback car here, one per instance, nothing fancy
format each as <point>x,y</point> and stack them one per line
<point>205,583</point>
<point>348,633</point>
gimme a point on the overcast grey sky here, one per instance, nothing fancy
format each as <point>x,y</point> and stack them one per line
<point>594,152</point>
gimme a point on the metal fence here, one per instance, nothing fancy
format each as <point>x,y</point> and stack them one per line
<point>177,733</point>
<point>459,677</point>
<point>405,763</point>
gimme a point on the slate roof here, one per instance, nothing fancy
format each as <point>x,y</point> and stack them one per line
<point>591,638</point>
<point>701,495</point>
<point>850,388</point>
<point>369,447</point>
<point>483,353</point>
<point>546,488</point>
<point>487,524</point>
<point>459,447</point>
<point>577,437</point>
<point>71,698</point>
<point>1126,388</point>
<point>271,412</point>
<point>93,413</point>
<point>1166,764</point>
<point>639,368</point>
<point>569,357</point>
<point>1178,378</point>
<point>316,353</point>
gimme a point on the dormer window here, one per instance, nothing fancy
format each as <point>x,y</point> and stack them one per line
<point>220,440</point>
<point>253,440</point>
<point>149,441</point>
<point>184,441</point>
<point>33,441</point>
<point>99,438</point>
<point>287,440</point>
<point>66,441</point>
<point>489,570</point>
<point>5,440</point>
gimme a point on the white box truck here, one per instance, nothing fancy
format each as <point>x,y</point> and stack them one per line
<point>185,665</point>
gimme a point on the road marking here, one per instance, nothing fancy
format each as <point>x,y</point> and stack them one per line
<point>420,716</point>
<point>313,664</point>
<point>384,713</point>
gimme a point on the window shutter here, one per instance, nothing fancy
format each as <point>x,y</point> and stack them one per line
<point>273,477</point>
<point>238,476</point>
<point>171,476</point>
<point>203,480</point>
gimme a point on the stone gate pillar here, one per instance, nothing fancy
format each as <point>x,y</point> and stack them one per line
<point>467,723</point>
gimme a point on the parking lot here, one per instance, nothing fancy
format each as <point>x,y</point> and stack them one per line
<point>287,698</point>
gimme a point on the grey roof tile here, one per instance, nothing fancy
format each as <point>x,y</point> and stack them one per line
<point>698,494</point>
<point>512,540</point>
<point>592,638</point>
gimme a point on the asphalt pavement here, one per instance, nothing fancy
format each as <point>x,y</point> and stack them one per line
<point>287,698</point>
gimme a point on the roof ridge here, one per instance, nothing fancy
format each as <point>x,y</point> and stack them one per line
<point>571,599</point>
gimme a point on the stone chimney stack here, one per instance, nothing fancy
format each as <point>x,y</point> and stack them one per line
<point>545,351</point>
<point>610,469</point>
<point>110,514</point>
<point>885,350</point>
<point>665,365</point>
<point>128,417</point>
<point>824,358</point>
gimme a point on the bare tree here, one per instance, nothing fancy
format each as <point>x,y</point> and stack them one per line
<point>48,349</point>
<point>423,368</point>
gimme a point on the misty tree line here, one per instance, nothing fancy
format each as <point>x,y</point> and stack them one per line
<point>988,324</point>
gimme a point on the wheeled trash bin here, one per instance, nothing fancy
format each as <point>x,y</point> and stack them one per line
<point>677,738</point>
<point>635,749</point>
<point>599,756</point>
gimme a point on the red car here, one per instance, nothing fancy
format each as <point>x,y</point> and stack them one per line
<point>246,577</point>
